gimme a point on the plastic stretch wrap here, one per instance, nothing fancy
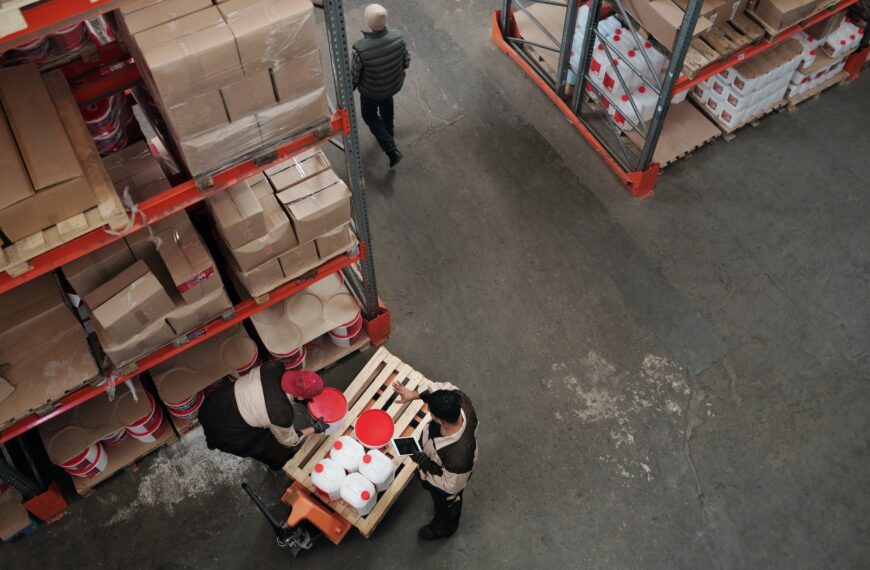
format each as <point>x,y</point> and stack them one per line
<point>230,79</point>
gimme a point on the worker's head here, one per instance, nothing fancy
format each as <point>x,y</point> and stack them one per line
<point>444,406</point>
<point>302,385</point>
<point>375,17</point>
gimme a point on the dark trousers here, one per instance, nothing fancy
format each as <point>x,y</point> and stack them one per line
<point>447,512</point>
<point>378,115</point>
<point>225,430</point>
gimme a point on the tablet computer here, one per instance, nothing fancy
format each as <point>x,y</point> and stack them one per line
<point>405,445</point>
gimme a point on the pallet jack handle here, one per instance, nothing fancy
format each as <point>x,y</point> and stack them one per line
<point>282,531</point>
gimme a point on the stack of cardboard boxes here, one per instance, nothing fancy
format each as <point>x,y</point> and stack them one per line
<point>778,15</point>
<point>44,351</point>
<point>51,168</point>
<point>231,78</point>
<point>276,227</point>
<point>144,291</point>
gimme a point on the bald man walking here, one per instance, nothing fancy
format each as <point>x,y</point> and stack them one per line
<point>378,66</point>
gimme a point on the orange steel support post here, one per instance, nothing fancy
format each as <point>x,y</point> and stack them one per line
<point>855,62</point>
<point>640,183</point>
<point>378,328</point>
<point>49,506</point>
<point>304,506</point>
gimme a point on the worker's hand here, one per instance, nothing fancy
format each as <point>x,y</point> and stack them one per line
<point>320,426</point>
<point>405,394</point>
<point>426,464</point>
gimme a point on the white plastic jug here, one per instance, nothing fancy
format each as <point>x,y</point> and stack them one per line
<point>599,64</point>
<point>347,452</point>
<point>623,43</point>
<point>359,493</point>
<point>809,45</point>
<point>377,468</point>
<point>646,100</point>
<point>623,110</point>
<point>327,478</point>
<point>657,59</point>
<point>609,25</point>
<point>630,79</point>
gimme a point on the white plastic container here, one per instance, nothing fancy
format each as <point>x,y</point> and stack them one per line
<point>347,452</point>
<point>377,468</point>
<point>609,25</point>
<point>726,76</point>
<point>730,118</point>
<point>359,493</point>
<point>599,65</point>
<point>646,100</point>
<point>743,84</point>
<point>623,43</point>
<point>630,79</point>
<point>327,478</point>
<point>622,109</point>
<point>657,59</point>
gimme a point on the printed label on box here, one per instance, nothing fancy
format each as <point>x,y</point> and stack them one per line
<point>195,280</point>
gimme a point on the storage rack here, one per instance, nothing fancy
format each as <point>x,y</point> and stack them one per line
<point>632,163</point>
<point>112,71</point>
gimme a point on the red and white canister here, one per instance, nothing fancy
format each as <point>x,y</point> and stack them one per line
<point>239,372</point>
<point>150,427</point>
<point>294,360</point>
<point>346,338</point>
<point>116,438</point>
<point>188,409</point>
<point>89,463</point>
<point>346,328</point>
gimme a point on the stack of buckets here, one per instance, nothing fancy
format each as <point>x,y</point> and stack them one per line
<point>48,48</point>
<point>345,334</point>
<point>94,459</point>
<point>239,372</point>
<point>108,121</point>
<point>294,360</point>
<point>188,409</point>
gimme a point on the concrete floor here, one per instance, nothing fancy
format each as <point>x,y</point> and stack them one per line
<point>679,382</point>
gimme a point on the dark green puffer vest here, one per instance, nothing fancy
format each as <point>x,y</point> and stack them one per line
<point>382,55</point>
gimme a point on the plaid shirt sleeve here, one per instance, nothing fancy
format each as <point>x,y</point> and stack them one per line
<point>355,67</point>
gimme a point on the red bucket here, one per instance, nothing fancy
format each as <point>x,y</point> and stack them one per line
<point>331,405</point>
<point>116,438</point>
<point>374,428</point>
<point>189,409</point>
<point>150,427</point>
<point>346,339</point>
<point>346,328</point>
<point>89,463</point>
<point>239,372</point>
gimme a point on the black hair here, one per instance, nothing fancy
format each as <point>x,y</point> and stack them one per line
<point>444,405</point>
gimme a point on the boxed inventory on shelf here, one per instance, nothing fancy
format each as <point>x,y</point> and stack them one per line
<point>51,168</point>
<point>135,169</point>
<point>43,347</point>
<point>245,70</point>
<point>662,19</point>
<point>781,14</point>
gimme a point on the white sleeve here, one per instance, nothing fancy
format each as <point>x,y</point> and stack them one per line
<point>288,437</point>
<point>427,385</point>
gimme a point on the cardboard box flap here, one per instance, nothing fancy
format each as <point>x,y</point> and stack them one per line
<point>157,13</point>
<point>89,272</point>
<point>306,188</point>
<point>13,514</point>
<point>16,184</point>
<point>238,214</point>
<point>6,389</point>
<point>295,171</point>
<point>168,31</point>
<point>314,205</point>
<point>305,155</point>
<point>189,263</point>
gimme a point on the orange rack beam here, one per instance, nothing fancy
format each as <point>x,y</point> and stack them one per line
<point>216,326</point>
<point>172,201</point>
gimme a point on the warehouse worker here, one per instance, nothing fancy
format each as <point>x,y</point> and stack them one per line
<point>449,454</point>
<point>254,416</point>
<point>378,68</point>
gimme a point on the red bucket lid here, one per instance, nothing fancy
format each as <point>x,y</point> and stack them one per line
<point>374,428</point>
<point>331,405</point>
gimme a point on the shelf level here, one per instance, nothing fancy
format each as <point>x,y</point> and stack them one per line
<point>242,311</point>
<point>172,201</point>
<point>752,50</point>
<point>51,15</point>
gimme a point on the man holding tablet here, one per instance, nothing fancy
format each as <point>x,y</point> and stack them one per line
<point>449,452</point>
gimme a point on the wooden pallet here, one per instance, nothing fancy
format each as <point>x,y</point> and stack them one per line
<point>793,102</point>
<point>372,388</point>
<point>728,133</point>
<point>719,43</point>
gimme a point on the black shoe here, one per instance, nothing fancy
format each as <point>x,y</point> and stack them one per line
<point>428,533</point>
<point>395,157</point>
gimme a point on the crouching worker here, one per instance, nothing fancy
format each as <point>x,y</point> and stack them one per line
<point>254,416</point>
<point>449,453</point>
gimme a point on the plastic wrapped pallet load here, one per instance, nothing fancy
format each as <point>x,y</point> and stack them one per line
<point>246,71</point>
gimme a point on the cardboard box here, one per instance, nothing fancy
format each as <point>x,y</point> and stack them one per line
<point>31,315</point>
<point>662,18</point>
<point>39,132</point>
<point>94,269</point>
<point>321,212</point>
<point>262,278</point>
<point>296,262</point>
<point>136,170</point>
<point>293,116</point>
<point>269,31</point>
<point>189,263</point>
<point>260,186</point>
<point>130,301</point>
<point>304,155</point>
<point>197,114</point>
<point>309,186</point>
<point>295,171</point>
<point>823,29</point>
<point>781,14</point>
<point>335,242</point>
<point>280,238</point>
<point>180,27</point>
<point>238,215</point>
<point>716,11</point>
<point>46,208</point>
<point>251,94</point>
<point>149,339</point>
<point>157,13</point>
<point>209,151</point>
<point>16,184</point>
<point>13,515</point>
<point>198,62</point>
<point>297,76</point>
<point>189,316</point>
